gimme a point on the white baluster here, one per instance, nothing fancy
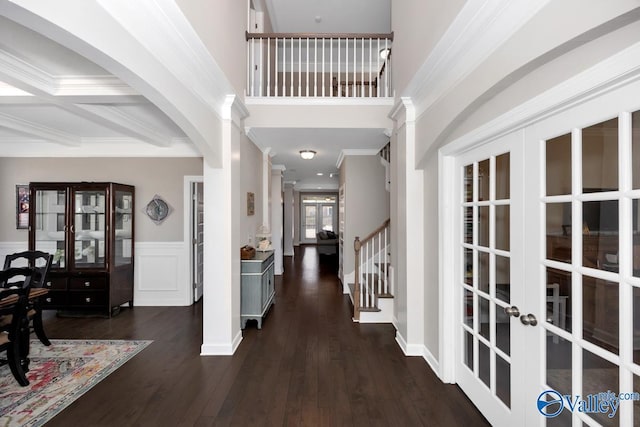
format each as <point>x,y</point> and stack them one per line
<point>299,66</point>
<point>378,69</point>
<point>367,272</point>
<point>323,71</point>
<point>386,69</point>
<point>386,266</point>
<point>379,260</point>
<point>315,67</point>
<point>362,69</point>
<point>370,67</point>
<point>261,68</point>
<point>361,282</point>
<point>346,66</point>
<point>253,67</point>
<point>291,65</point>
<point>307,66</point>
<point>355,61</point>
<point>276,67</point>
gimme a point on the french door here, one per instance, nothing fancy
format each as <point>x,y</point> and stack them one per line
<point>548,269</point>
<point>491,343</point>
<point>317,216</point>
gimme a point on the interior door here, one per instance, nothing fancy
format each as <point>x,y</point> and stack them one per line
<point>197,230</point>
<point>491,339</point>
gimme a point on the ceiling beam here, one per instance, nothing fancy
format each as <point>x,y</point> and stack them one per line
<point>38,131</point>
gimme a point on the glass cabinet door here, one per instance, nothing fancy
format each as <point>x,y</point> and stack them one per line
<point>50,226</point>
<point>123,228</point>
<point>89,228</point>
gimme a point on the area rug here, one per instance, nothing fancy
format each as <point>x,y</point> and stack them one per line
<point>58,375</point>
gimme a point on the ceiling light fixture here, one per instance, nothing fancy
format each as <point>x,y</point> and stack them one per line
<point>319,174</point>
<point>307,154</point>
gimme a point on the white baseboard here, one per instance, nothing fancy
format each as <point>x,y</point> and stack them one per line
<point>346,279</point>
<point>222,349</point>
<point>418,350</point>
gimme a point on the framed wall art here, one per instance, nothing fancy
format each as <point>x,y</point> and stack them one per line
<point>22,206</point>
<point>251,205</point>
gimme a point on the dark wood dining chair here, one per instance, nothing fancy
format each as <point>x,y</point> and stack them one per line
<point>14,335</point>
<point>41,263</point>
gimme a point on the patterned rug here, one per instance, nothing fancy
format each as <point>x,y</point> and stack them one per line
<point>58,375</point>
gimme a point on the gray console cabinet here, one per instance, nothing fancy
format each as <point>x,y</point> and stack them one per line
<point>257,287</point>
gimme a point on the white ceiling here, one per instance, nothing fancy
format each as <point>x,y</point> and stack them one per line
<point>50,95</point>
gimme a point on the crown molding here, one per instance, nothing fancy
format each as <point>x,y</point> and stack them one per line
<point>234,109</point>
<point>355,152</point>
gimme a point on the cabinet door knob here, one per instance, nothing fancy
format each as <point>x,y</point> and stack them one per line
<point>48,284</point>
<point>49,299</point>
<point>87,284</point>
<point>88,299</point>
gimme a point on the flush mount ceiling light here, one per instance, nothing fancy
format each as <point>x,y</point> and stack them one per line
<point>307,154</point>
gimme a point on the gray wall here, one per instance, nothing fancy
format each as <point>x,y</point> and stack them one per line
<point>150,176</point>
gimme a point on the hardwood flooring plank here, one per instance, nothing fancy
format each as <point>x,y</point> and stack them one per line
<point>310,365</point>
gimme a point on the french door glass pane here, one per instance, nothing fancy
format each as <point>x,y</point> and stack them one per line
<point>502,233</point>
<point>600,313</point>
<point>483,226</point>
<point>558,364</point>
<point>327,218</point>
<point>503,380</point>
<point>483,271</point>
<point>484,175</point>
<point>503,278</point>
<point>50,226</point>
<point>599,375</point>
<point>484,363</point>
<point>559,231</point>
<point>559,299</point>
<point>503,169</point>
<point>635,149</point>
<point>600,235</point>
<point>636,326</point>
<point>600,157</point>
<point>558,165</point>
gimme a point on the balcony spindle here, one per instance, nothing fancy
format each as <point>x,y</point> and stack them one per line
<point>324,81</point>
<point>291,65</point>
<point>315,67</point>
<point>378,69</point>
<point>276,68</point>
<point>261,67</point>
<point>386,69</point>
<point>370,67</point>
<point>362,69</point>
<point>346,66</point>
<point>307,67</point>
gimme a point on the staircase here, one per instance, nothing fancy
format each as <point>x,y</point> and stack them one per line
<point>372,292</point>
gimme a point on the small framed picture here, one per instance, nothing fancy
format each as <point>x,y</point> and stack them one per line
<point>22,206</point>
<point>251,208</point>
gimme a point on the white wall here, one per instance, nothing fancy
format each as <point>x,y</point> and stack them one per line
<point>367,202</point>
<point>221,26</point>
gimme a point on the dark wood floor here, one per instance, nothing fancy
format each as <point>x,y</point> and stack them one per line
<point>310,365</point>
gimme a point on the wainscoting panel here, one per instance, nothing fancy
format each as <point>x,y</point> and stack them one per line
<point>161,274</point>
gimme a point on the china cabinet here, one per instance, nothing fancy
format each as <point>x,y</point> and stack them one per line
<point>88,227</point>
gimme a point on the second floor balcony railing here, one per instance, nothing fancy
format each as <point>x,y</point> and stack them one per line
<point>319,65</point>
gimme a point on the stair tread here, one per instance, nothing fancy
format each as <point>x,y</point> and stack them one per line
<point>369,309</point>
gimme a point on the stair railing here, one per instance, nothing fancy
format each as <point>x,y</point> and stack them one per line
<point>371,269</point>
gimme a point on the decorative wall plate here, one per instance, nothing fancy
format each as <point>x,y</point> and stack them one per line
<point>157,209</point>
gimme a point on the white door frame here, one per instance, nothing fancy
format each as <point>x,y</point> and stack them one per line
<point>618,70</point>
<point>188,224</point>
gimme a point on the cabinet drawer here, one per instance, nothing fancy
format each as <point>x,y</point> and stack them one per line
<point>53,299</point>
<point>89,283</point>
<point>87,299</point>
<point>56,283</point>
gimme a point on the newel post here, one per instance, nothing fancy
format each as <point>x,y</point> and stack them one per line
<point>356,291</point>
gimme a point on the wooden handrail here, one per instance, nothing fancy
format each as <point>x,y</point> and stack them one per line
<point>375,232</point>
<point>319,35</point>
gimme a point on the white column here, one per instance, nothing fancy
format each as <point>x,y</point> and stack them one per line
<point>276,218</point>
<point>407,201</point>
<point>221,332</point>
<point>266,187</point>
<point>288,219</point>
